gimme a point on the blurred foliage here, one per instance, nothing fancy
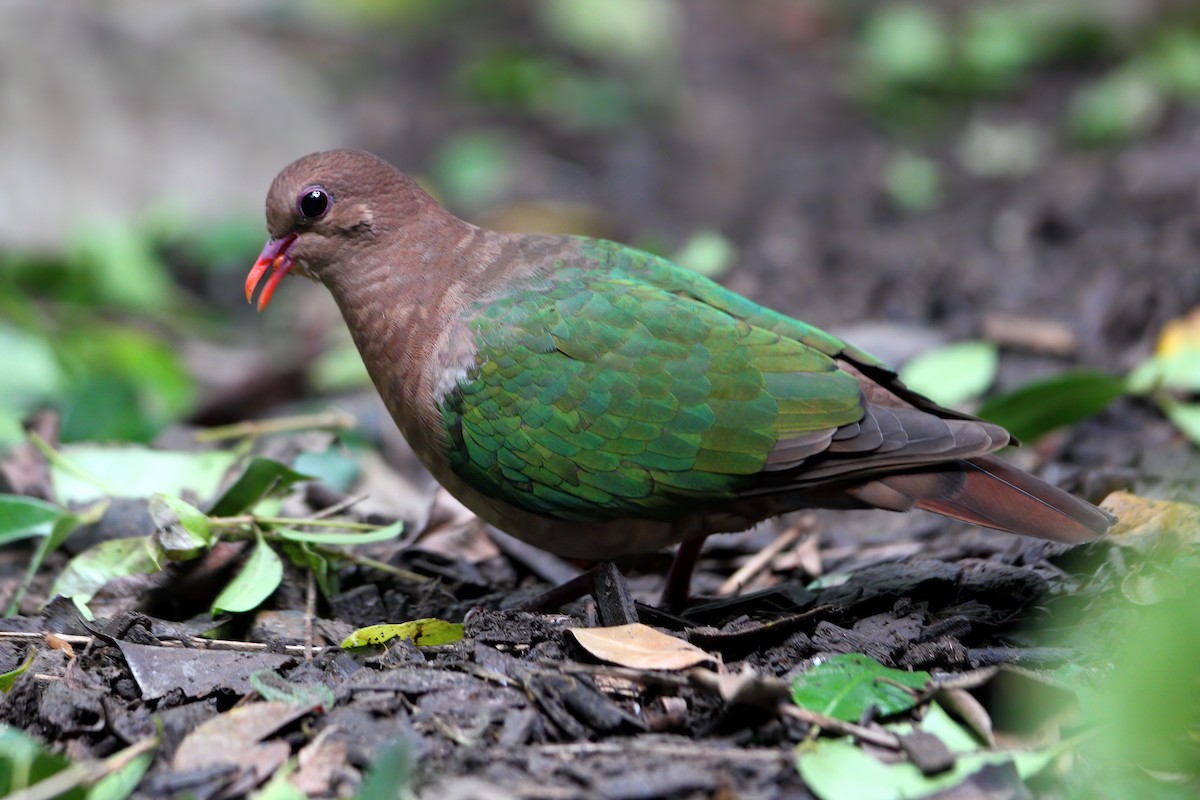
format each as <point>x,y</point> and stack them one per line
<point>609,63</point>
<point>1137,646</point>
<point>241,511</point>
<point>97,344</point>
<point>913,183</point>
<point>953,374</point>
<point>915,64</point>
<point>964,371</point>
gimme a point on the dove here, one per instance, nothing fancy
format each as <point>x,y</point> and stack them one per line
<point>596,400</point>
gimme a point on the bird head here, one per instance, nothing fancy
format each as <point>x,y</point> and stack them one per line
<point>320,206</point>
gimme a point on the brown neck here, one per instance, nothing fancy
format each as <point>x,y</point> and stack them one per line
<point>404,306</point>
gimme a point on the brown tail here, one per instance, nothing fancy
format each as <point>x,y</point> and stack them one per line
<point>988,491</point>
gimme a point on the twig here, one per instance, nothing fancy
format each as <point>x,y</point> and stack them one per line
<point>373,563</point>
<point>877,737</point>
<point>262,427</point>
<point>310,611</point>
<point>250,519</point>
<point>195,641</point>
<point>341,506</point>
<point>760,560</point>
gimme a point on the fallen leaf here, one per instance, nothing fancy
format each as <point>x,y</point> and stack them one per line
<point>970,711</point>
<point>422,632</point>
<point>320,761</point>
<point>846,685</point>
<point>7,679</point>
<point>161,670</point>
<point>235,737</point>
<point>639,646</point>
<point>1140,518</point>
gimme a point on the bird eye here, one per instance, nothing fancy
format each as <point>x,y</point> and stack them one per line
<point>313,202</point>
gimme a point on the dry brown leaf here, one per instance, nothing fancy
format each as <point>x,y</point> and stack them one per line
<point>235,738</point>
<point>321,761</point>
<point>1142,517</point>
<point>962,704</point>
<point>640,647</point>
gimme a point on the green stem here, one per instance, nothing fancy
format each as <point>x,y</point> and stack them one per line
<point>255,428</point>
<point>249,519</point>
<point>367,561</point>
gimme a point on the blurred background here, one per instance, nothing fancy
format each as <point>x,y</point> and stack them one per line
<point>905,174</point>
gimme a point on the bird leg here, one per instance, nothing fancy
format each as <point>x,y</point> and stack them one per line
<point>679,576</point>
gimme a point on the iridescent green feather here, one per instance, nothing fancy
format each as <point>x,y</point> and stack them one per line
<point>624,386</point>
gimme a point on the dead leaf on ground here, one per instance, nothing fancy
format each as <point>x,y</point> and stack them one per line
<point>235,737</point>
<point>1140,519</point>
<point>640,647</point>
<point>161,670</point>
<point>963,705</point>
<point>320,762</point>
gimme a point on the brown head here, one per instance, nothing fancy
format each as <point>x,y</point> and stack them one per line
<point>324,206</point>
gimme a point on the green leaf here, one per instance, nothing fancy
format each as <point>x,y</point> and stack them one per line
<point>390,773</point>
<point>1185,417</point>
<point>846,685</point>
<point>632,30</point>
<point>913,183</point>
<point>262,478</point>
<point>7,679</point>
<point>1039,407</point>
<point>1173,63</point>
<point>127,383</point>
<point>86,573</point>
<point>64,526</point>
<point>305,557</point>
<point>837,769</point>
<point>259,578</point>
<point>1120,107</point>
<point>272,686</point>
<point>181,529</point>
<point>708,253</point>
<point>475,168</point>
<point>119,264</point>
<point>87,472</point>
<point>342,537</point>
<point>29,371</point>
<point>120,784</point>
<point>280,787</point>
<point>997,44</point>
<point>22,517</point>
<point>333,467</point>
<point>954,373</point>
<point>905,44</point>
<point>1178,369</point>
<point>25,762</point>
<point>339,369</point>
<point>421,631</point>
<point>226,245</point>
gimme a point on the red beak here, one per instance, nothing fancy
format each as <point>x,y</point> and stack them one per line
<point>276,254</point>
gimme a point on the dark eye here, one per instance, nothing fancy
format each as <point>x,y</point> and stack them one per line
<point>313,202</point>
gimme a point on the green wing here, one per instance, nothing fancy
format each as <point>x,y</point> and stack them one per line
<point>630,387</point>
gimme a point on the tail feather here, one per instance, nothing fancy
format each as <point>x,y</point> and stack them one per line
<point>988,491</point>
